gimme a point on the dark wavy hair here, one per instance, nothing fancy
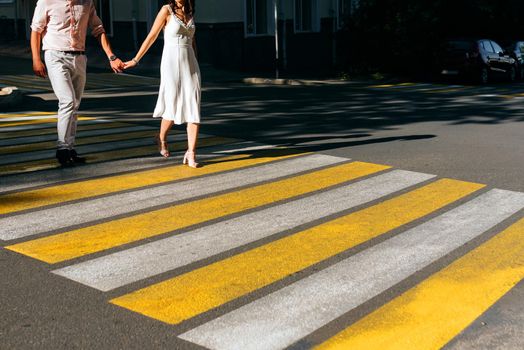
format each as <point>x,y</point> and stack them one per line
<point>188,9</point>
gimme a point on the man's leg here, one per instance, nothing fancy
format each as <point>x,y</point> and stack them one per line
<point>79,81</point>
<point>59,68</point>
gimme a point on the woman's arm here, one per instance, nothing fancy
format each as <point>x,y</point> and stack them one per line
<point>159,24</point>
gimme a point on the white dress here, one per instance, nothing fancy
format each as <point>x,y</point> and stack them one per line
<point>179,95</point>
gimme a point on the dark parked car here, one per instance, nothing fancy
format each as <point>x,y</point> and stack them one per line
<point>516,50</point>
<point>480,60</point>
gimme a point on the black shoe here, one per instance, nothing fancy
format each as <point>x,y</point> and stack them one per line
<point>75,158</point>
<point>64,157</point>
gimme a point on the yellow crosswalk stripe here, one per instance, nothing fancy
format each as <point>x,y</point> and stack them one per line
<point>52,130</point>
<point>43,164</point>
<point>32,114</point>
<point>35,121</point>
<point>81,141</point>
<point>438,309</point>
<point>104,236</point>
<point>90,188</point>
<point>186,296</point>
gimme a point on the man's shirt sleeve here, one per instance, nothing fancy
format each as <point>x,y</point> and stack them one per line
<point>40,18</point>
<point>95,23</point>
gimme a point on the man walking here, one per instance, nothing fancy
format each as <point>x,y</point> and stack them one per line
<point>61,26</point>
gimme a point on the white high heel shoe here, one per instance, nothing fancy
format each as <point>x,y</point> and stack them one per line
<point>189,160</point>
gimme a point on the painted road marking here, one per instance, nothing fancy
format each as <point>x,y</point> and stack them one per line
<point>221,282</point>
<point>52,177</point>
<point>19,201</point>
<point>36,120</point>
<point>84,241</point>
<point>98,156</point>
<point>112,137</point>
<point>327,295</point>
<point>440,307</point>
<point>51,136</point>
<point>15,227</point>
<point>37,154</point>
<point>121,268</point>
<point>42,129</point>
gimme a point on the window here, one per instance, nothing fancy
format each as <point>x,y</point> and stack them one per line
<point>259,17</point>
<point>306,16</point>
<point>486,45</point>
<point>105,12</point>
<point>496,47</point>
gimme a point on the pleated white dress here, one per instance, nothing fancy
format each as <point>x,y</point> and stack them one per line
<point>179,95</point>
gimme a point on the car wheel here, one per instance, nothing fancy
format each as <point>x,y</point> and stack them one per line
<point>484,75</point>
<point>512,74</point>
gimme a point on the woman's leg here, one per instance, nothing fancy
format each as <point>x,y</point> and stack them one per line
<point>192,136</point>
<point>164,129</point>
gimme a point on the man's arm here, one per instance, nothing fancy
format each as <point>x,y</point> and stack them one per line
<point>97,29</point>
<point>38,26</point>
<point>117,65</point>
<point>38,65</point>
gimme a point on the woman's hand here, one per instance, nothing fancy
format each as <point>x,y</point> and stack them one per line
<point>130,64</point>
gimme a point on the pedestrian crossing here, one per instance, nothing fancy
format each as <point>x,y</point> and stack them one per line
<point>27,141</point>
<point>95,81</point>
<point>263,247</point>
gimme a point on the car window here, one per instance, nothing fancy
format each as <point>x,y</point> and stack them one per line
<point>496,47</point>
<point>486,46</point>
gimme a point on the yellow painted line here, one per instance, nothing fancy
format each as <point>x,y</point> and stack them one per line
<point>390,85</point>
<point>81,141</point>
<point>382,86</point>
<point>44,164</point>
<point>186,296</point>
<point>108,235</point>
<point>35,121</point>
<point>32,114</point>
<point>443,91</point>
<point>438,309</point>
<point>90,188</point>
<point>52,130</point>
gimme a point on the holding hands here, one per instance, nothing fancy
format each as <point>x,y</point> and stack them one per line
<point>130,64</point>
<point>117,65</point>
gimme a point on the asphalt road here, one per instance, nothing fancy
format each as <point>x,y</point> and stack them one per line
<point>468,133</point>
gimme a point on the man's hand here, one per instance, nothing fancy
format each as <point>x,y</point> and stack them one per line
<point>39,68</point>
<point>117,65</point>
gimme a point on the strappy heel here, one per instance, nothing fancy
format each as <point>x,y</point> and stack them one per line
<point>162,147</point>
<point>189,160</point>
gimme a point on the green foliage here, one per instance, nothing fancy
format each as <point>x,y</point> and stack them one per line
<point>405,36</point>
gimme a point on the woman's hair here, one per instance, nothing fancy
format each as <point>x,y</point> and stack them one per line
<point>188,9</point>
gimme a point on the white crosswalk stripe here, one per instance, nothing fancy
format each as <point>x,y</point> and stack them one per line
<point>18,226</point>
<point>128,266</point>
<point>284,317</point>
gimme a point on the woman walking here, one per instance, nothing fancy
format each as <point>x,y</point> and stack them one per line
<point>179,95</point>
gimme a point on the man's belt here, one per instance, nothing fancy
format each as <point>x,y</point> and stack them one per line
<point>75,52</point>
